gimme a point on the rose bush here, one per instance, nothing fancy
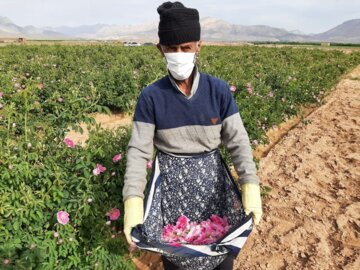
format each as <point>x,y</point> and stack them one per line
<point>55,213</point>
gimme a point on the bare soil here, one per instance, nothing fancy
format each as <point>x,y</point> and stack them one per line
<point>108,121</point>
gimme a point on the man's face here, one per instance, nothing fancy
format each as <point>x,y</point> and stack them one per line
<point>183,47</point>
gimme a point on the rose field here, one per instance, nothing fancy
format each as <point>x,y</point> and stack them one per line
<point>61,202</point>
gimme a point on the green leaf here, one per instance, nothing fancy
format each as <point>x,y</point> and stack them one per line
<point>16,225</point>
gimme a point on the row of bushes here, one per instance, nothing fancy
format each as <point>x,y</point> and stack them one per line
<point>44,90</point>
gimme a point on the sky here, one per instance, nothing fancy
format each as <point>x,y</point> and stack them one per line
<point>308,16</point>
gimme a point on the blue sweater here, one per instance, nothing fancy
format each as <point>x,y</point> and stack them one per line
<point>171,122</point>
<point>167,108</point>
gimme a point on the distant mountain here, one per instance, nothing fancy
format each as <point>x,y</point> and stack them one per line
<point>7,28</point>
<point>212,29</point>
<point>142,32</point>
<point>77,30</point>
<point>10,30</point>
<point>348,31</point>
<point>218,30</point>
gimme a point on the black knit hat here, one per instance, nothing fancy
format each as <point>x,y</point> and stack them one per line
<point>178,24</point>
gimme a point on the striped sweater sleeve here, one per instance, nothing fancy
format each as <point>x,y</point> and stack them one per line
<point>140,148</point>
<point>236,140</point>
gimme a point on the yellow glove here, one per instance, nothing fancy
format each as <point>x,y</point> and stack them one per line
<point>251,200</point>
<point>134,215</point>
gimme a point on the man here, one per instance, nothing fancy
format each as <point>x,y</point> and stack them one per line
<point>185,112</point>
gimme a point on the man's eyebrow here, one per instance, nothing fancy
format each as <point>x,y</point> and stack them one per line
<point>177,46</point>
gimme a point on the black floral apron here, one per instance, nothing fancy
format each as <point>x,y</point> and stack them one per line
<point>196,186</point>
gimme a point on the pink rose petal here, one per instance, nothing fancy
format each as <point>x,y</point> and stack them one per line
<point>96,171</point>
<point>62,217</point>
<point>69,143</point>
<point>175,244</point>
<point>99,169</point>
<point>117,157</point>
<point>206,232</point>
<point>149,164</point>
<point>114,214</point>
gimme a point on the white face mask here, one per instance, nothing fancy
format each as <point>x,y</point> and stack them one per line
<point>180,64</point>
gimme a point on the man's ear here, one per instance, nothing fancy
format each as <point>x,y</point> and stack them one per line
<point>159,48</point>
<point>199,46</point>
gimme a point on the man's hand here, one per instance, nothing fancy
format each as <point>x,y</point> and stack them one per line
<point>251,200</point>
<point>134,215</point>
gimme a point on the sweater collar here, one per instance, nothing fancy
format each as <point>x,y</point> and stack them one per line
<point>194,85</point>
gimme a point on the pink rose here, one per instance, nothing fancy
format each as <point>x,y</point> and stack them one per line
<point>149,164</point>
<point>233,88</point>
<point>193,234</point>
<point>175,244</point>
<point>117,157</point>
<point>99,169</point>
<point>114,214</point>
<point>62,217</point>
<point>167,229</point>
<point>69,143</point>
<point>182,222</point>
<point>206,232</point>
<point>96,171</point>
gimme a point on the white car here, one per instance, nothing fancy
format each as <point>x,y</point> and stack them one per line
<point>131,44</point>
